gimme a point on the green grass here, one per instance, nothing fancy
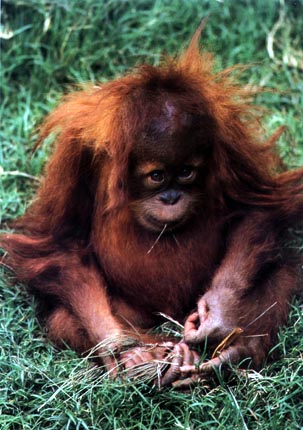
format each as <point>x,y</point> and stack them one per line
<point>47,47</point>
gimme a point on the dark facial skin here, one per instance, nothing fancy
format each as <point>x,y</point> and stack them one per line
<point>166,170</point>
<point>165,194</point>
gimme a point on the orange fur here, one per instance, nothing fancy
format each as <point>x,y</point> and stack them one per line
<point>80,250</point>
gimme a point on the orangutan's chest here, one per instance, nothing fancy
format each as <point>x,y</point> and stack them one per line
<point>168,276</point>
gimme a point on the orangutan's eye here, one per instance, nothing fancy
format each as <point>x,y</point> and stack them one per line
<point>157,176</point>
<point>186,174</point>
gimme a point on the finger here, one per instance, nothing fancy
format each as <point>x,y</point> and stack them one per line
<point>203,310</point>
<point>190,361</point>
<point>231,355</point>
<point>111,365</point>
<point>187,357</point>
<point>194,358</point>
<point>184,356</point>
<point>136,357</point>
<point>161,350</point>
<point>191,322</point>
<point>191,328</point>
<point>189,369</point>
<point>185,352</point>
<point>194,327</point>
<point>197,332</point>
<point>168,345</point>
<point>190,356</point>
<point>173,372</point>
<point>192,336</point>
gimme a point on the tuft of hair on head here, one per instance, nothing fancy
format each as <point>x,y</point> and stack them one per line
<point>190,55</point>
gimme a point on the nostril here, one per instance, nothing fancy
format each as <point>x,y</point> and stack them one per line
<point>170,197</point>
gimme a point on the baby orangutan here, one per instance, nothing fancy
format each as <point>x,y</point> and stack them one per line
<point>160,198</point>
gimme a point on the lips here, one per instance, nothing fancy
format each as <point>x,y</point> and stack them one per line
<point>159,224</point>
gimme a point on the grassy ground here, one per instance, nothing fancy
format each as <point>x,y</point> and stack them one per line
<point>47,45</point>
